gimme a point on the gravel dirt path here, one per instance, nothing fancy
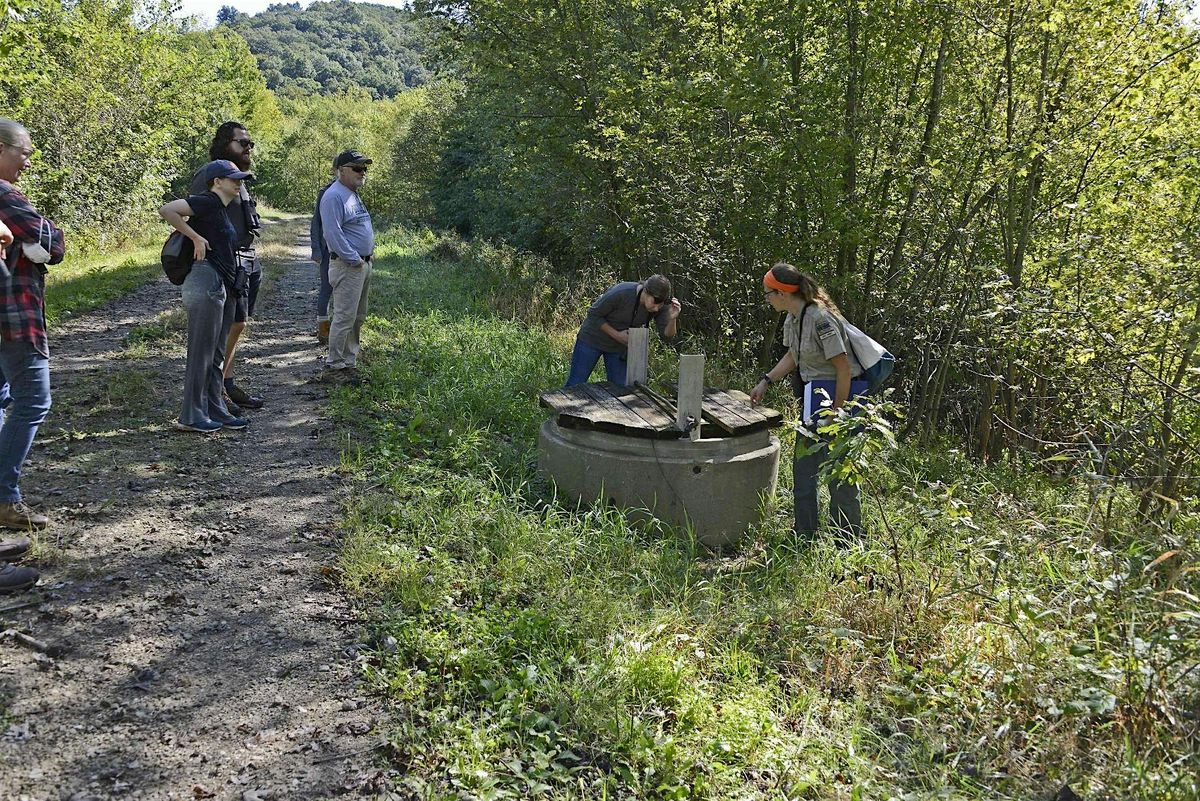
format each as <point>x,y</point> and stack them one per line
<point>197,645</point>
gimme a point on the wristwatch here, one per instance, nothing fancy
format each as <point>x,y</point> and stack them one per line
<point>767,377</point>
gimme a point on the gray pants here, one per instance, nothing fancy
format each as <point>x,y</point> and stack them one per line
<point>210,313</point>
<point>347,311</point>
<point>844,506</point>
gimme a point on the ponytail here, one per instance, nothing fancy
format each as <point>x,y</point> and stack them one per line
<point>806,286</point>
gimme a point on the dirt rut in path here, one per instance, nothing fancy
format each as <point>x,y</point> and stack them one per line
<point>185,577</point>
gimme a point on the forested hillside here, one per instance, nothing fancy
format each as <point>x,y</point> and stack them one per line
<point>332,47</point>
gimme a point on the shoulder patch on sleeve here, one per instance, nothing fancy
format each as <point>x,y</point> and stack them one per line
<point>825,328</point>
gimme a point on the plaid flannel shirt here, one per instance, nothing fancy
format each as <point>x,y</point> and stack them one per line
<point>23,287</point>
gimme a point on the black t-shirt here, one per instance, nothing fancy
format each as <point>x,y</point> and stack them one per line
<point>211,220</point>
<point>243,213</point>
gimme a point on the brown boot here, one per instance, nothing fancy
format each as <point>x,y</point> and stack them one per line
<point>323,332</point>
<point>12,549</point>
<point>14,578</point>
<point>21,517</point>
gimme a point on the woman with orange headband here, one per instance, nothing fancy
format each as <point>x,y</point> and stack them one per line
<point>818,347</point>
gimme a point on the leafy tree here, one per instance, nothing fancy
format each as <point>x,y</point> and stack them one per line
<point>995,189</point>
<point>227,15</point>
<point>121,102</point>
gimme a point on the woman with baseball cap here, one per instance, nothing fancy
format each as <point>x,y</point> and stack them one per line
<point>210,294</point>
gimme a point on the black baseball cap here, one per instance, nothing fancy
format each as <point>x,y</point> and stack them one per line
<point>350,157</point>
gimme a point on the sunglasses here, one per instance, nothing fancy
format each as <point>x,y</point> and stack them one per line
<point>248,144</point>
<point>358,168</point>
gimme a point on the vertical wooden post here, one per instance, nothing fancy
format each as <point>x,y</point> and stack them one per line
<point>638,358</point>
<point>691,393</point>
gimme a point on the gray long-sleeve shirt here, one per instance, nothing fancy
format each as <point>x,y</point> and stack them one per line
<point>620,306</point>
<point>346,224</point>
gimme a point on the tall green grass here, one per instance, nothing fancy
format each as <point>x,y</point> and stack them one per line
<point>981,642</point>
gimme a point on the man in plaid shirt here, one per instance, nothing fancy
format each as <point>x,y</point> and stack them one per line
<point>24,350</point>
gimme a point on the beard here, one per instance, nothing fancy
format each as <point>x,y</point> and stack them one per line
<point>242,160</point>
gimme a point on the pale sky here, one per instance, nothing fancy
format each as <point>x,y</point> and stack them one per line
<point>207,9</point>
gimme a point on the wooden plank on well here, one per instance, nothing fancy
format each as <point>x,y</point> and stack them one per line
<point>733,407</point>
<point>637,359</point>
<point>727,419</point>
<point>636,401</point>
<point>742,401</point>
<point>611,415</point>
<point>691,393</point>
<point>572,407</point>
<point>730,411</point>
<point>560,399</point>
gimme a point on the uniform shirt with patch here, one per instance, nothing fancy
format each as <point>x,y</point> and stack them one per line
<point>823,336</point>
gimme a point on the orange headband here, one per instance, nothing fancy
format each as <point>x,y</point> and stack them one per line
<point>770,280</point>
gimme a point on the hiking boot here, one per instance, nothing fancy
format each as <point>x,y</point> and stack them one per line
<point>334,376</point>
<point>21,517</point>
<point>203,427</point>
<point>15,579</point>
<point>241,398</point>
<point>323,332</point>
<point>232,407</point>
<point>13,548</point>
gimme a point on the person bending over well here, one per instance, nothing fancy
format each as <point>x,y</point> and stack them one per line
<point>605,330</point>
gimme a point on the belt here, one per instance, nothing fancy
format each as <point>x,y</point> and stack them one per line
<point>367,257</point>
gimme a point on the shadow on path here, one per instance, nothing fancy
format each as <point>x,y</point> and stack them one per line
<point>185,577</point>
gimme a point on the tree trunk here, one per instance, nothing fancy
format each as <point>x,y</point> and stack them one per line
<point>935,106</point>
<point>847,249</point>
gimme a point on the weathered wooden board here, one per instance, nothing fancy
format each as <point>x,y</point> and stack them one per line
<point>637,359</point>
<point>630,411</point>
<point>731,412</point>
<point>636,401</point>
<point>721,404</point>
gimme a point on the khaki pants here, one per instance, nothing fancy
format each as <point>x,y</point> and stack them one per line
<point>347,310</point>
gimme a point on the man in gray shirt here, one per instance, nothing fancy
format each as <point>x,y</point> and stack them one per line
<point>346,228</point>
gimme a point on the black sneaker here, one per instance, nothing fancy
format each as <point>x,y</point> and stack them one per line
<point>241,398</point>
<point>15,579</point>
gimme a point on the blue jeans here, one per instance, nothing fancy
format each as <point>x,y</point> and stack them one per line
<point>844,506</point>
<point>325,291</point>
<point>583,361</point>
<point>27,374</point>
